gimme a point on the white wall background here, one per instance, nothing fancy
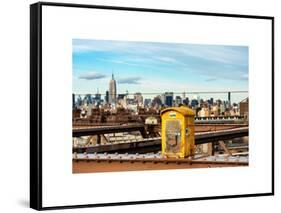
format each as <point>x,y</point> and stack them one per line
<point>14,105</point>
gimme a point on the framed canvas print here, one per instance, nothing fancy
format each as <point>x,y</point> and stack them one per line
<point>134,105</point>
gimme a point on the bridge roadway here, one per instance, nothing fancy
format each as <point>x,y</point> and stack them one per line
<point>85,131</point>
<point>104,162</point>
<point>154,144</point>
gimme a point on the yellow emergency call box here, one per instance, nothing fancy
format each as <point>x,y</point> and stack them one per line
<point>177,132</point>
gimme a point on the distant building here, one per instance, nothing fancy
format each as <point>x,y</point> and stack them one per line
<point>218,102</point>
<point>229,97</point>
<point>183,95</point>
<point>178,100</point>
<point>106,96</point>
<point>169,96</point>
<point>112,91</point>
<point>89,110</point>
<point>194,103</point>
<point>73,101</point>
<point>122,100</point>
<point>97,98</point>
<point>147,102</point>
<point>185,101</point>
<point>121,96</point>
<point>151,121</point>
<point>138,99</point>
<point>210,102</point>
<point>130,101</point>
<point>223,107</point>
<point>157,102</point>
<point>76,113</point>
<point>234,111</point>
<point>162,98</point>
<point>88,99</point>
<point>204,112</point>
<point>215,111</point>
<point>79,101</point>
<point>244,107</point>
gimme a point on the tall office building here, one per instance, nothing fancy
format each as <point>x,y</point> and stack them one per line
<point>178,100</point>
<point>183,95</point>
<point>97,98</point>
<point>88,99</point>
<point>112,91</point>
<point>73,101</point>
<point>169,97</point>
<point>157,102</point>
<point>147,102</point>
<point>244,107</point>
<point>106,96</point>
<point>194,103</point>
<point>79,101</point>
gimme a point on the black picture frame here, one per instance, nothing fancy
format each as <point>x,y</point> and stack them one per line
<point>36,103</point>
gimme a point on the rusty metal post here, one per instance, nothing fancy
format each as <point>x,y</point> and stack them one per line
<point>105,138</point>
<point>211,149</point>
<point>223,146</point>
<point>98,139</point>
<point>143,132</point>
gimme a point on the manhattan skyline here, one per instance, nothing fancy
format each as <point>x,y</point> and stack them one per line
<point>151,67</point>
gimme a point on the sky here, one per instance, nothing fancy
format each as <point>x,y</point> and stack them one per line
<point>153,67</point>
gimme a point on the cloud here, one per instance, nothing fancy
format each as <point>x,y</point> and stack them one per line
<point>117,61</point>
<point>211,79</point>
<point>130,80</point>
<point>166,52</point>
<point>212,64</point>
<point>92,76</point>
<point>166,59</point>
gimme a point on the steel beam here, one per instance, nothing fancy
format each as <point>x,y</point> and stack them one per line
<point>78,132</point>
<point>153,143</point>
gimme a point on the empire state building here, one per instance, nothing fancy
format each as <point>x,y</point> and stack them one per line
<point>112,91</point>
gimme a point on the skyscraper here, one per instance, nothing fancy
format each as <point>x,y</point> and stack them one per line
<point>79,101</point>
<point>106,96</point>
<point>73,101</point>
<point>112,91</point>
<point>186,101</point>
<point>183,95</point>
<point>97,98</point>
<point>178,100</point>
<point>169,97</point>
